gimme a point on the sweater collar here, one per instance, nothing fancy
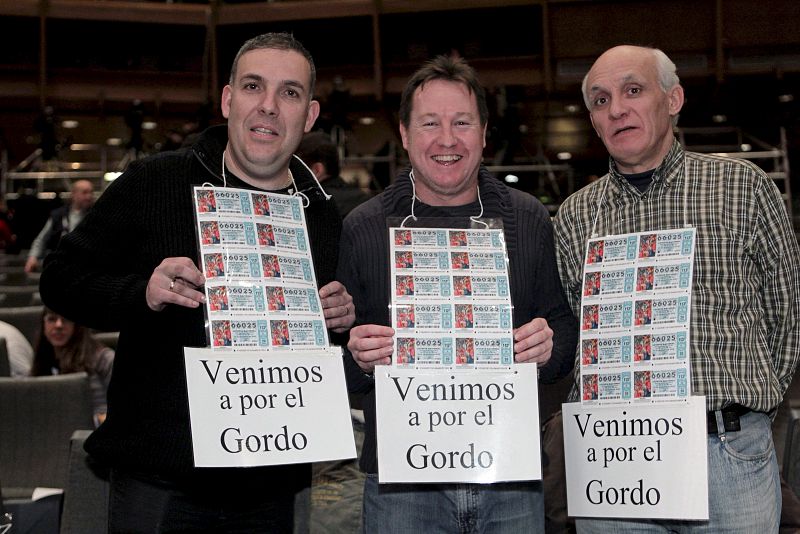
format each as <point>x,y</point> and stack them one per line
<point>495,196</point>
<point>397,197</point>
<point>666,172</point>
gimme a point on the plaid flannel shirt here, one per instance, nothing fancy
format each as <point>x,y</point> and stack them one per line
<point>745,336</point>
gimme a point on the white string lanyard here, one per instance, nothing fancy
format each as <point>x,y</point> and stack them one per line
<point>474,218</point>
<point>593,233</point>
<point>293,191</point>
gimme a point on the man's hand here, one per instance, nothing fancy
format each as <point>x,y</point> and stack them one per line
<point>175,281</point>
<point>337,305</point>
<point>533,342</point>
<point>371,345</point>
<point>31,264</point>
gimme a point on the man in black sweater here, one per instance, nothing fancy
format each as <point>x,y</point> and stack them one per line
<point>322,157</point>
<point>131,266</point>
<point>443,118</point>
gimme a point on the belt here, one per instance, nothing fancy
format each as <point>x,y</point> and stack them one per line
<point>730,418</point>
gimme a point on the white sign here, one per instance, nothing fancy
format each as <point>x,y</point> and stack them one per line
<point>647,461</point>
<point>474,426</point>
<point>262,408</point>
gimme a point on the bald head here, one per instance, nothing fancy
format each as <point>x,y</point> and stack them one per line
<point>664,67</point>
<point>634,97</point>
<point>82,195</point>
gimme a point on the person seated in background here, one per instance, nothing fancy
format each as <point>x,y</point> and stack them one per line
<point>20,352</point>
<point>7,235</point>
<point>322,156</point>
<point>61,221</point>
<point>65,347</point>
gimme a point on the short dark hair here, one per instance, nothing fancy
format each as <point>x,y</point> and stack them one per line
<point>275,41</point>
<point>317,147</point>
<point>450,69</point>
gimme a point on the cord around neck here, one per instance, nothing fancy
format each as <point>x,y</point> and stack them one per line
<point>474,218</point>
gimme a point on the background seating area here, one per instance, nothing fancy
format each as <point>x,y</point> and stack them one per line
<point>43,424</point>
<point>38,416</point>
<point>25,318</point>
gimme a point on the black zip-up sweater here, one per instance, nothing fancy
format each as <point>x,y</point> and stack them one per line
<point>98,277</point>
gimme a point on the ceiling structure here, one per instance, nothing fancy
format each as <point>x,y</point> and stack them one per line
<point>738,59</point>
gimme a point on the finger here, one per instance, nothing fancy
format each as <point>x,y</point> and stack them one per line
<point>339,324</point>
<point>370,359</point>
<point>371,343</point>
<point>185,270</point>
<point>531,334</point>
<point>371,350</point>
<point>529,342</point>
<point>374,357</point>
<point>538,342</point>
<point>539,353</point>
<point>173,282</point>
<point>530,328</point>
<point>158,297</point>
<point>181,300</point>
<point>337,301</point>
<point>363,331</point>
<point>540,359</point>
<point>331,288</point>
<point>340,318</point>
<point>337,311</point>
<point>181,288</point>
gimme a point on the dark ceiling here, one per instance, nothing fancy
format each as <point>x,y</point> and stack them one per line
<point>738,59</point>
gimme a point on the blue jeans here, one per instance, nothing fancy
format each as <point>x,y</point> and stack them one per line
<point>744,491</point>
<point>141,505</point>
<point>510,507</point>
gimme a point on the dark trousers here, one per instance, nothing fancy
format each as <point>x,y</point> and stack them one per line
<point>141,504</point>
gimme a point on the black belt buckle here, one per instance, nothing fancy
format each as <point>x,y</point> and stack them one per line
<point>731,421</point>
<point>730,418</point>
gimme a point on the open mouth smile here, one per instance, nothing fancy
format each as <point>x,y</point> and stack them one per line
<point>449,159</point>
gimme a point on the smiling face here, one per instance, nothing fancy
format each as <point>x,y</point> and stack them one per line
<point>629,109</point>
<point>445,141</point>
<point>268,107</point>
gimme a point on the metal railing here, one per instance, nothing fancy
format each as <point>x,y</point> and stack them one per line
<point>773,160</point>
<point>86,161</point>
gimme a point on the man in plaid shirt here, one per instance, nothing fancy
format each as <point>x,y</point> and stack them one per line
<point>745,337</point>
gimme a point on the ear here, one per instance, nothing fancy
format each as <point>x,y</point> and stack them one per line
<point>225,104</point>
<point>484,134</point>
<point>675,96</point>
<point>311,117</point>
<point>404,135</point>
<point>318,169</point>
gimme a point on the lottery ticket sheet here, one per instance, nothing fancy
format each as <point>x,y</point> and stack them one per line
<point>451,303</point>
<point>635,316</point>
<point>261,291</point>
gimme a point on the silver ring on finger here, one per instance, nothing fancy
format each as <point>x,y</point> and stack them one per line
<point>172,284</point>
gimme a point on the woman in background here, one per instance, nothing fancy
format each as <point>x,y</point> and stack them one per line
<point>66,347</point>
